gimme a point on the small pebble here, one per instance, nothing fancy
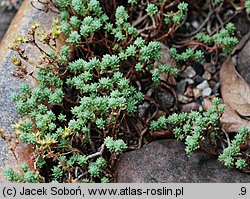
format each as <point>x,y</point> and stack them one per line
<point>142,108</point>
<point>167,99</point>
<point>212,83</point>
<point>210,68</point>
<point>206,92</point>
<point>203,85</point>
<point>195,24</point>
<point>207,104</point>
<point>207,75</point>
<point>200,100</point>
<point>183,99</point>
<point>216,77</point>
<point>181,86</point>
<point>130,141</point>
<point>189,92</point>
<point>216,88</point>
<point>196,93</point>
<point>199,69</point>
<point>198,79</point>
<point>193,106</point>
<point>150,92</point>
<point>229,12</point>
<point>189,81</point>
<point>189,72</point>
<point>218,67</point>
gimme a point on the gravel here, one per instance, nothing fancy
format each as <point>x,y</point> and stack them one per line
<point>198,79</point>
<point>189,72</point>
<point>216,88</point>
<point>207,75</point>
<point>203,85</point>
<point>206,92</point>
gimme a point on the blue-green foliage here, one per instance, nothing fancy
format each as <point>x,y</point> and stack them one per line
<point>80,102</point>
<point>191,127</point>
<point>25,176</point>
<point>231,156</point>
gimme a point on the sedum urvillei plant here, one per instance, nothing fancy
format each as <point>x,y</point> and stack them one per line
<point>83,111</point>
<point>26,175</point>
<point>200,129</point>
<point>194,128</point>
<point>233,155</point>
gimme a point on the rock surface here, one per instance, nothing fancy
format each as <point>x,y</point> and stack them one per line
<point>243,62</point>
<point>5,20</point>
<point>165,161</point>
<point>9,84</point>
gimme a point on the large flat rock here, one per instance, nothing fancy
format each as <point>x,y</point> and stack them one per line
<point>165,161</point>
<point>6,17</point>
<point>9,84</point>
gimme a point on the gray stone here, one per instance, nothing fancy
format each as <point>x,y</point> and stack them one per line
<point>5,19</point>
<point>183,99</point>
<point>203,85</point>
<point>198,79</point>
<point>189,72</point>
<point>193,106</point>
<point>142,108</point>
<point>181,86</point>
<point>150,92</point>
<point>25,16</point>
<point>189,81</point>
<point>216,88</point>
<point>166,99</point>
<point>165,161</point>
<point>195,24</point>
<point>206,92</point>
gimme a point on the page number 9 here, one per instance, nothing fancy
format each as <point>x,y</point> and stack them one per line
<point>243,191</point>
